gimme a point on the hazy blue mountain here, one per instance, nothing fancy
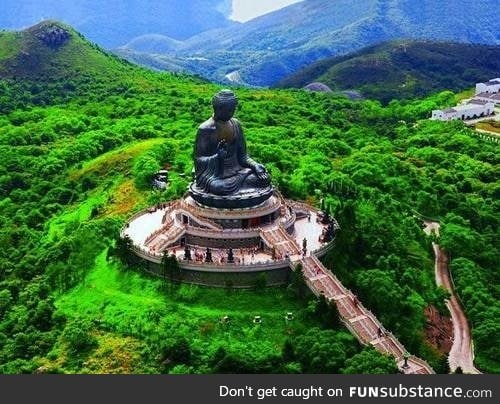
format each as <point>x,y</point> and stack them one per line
<point>271,47</point>
<point>154,43</point>
<point>112,23</point>
<point>403,69</point>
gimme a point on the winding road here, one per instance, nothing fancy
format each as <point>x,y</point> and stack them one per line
<point>462,351</point>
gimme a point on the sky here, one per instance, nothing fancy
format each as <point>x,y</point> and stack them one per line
<point>244,10</point>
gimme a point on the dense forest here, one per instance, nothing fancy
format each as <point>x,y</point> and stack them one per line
<point>79,142</point>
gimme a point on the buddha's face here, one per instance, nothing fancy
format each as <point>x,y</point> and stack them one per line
<point>224,112</point>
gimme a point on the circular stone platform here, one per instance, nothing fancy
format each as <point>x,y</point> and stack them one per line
<point>264,239</point>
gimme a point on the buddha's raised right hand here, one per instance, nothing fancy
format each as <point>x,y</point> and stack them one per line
<point>222,149</point>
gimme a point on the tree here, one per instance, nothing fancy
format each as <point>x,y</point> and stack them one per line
<point>458,238</point>
<point>5,301</point>
<point>260,282</point>
<point>170,266</point>
<point>288,352</point>
<point>298,285</point>
<point>327,313</point>
<point>78,336</point>
<point>323,351</point>
<point>124,251</point>
<point>370,361</point>
<point>144,168</point>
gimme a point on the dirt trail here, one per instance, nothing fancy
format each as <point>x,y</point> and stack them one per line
<point>462,351</point>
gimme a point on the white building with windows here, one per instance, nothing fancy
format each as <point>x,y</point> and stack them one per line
<point>490,87</point>
<point>472,110</point>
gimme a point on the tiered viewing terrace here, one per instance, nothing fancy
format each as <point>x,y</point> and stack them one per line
<point>184,222</point>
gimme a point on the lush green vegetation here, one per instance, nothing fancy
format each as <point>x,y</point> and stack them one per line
<point>77,146</point>
<point>403,69</point>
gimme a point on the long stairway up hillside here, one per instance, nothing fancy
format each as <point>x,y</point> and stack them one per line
<point>360,321</point>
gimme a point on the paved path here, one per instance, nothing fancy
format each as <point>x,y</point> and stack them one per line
<point>360,321</point>
<point>462,351</point>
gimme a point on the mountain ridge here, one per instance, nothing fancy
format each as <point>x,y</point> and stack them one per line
<point>271,47</point>
<point>50,51</point>
<point>403,69</point>
<point>113,23</point>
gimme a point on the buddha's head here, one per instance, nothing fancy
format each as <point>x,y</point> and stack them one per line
<point>224,103</point>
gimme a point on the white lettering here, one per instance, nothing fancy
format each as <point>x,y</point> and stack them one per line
<point>225,391</point>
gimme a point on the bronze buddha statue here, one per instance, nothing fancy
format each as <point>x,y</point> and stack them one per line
<point>223,170</point>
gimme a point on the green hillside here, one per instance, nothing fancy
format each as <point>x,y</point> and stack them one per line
<point>403,69</point>
<point>53,51</point>
<point>81,130</point>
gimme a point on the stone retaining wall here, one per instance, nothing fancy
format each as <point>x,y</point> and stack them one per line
<point>226,278</point>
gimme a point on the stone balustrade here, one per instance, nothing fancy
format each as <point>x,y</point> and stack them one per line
<point>359,320</point>
<point>227,234</point>
<point>271,205</point>
<point>214,267</point>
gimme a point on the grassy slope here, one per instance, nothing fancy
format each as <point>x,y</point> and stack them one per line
<point>127,301</point>
<point>25,56</point>
<point>125,195</point>
<point>129,306</point>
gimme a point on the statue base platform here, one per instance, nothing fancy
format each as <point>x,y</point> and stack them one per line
<point>267,238</point>
<point>245,199</point>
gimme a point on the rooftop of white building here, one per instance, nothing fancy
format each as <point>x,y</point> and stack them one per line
<point>492,82</point>
<point>493,97</point>
<point>478,102</point>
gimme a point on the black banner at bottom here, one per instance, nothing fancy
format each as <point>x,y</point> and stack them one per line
<point>248,388</point>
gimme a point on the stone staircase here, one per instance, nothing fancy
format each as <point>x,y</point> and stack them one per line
<point>203,221</point>
<point>169,236</point>
<point>359,320</point>
<point>280,240</point>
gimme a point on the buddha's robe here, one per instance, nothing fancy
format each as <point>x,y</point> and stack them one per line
<point>229,175</point>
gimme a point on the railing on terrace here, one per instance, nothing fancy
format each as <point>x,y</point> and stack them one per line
<point>301,205</point>
<point>234,212</point>
<point>269,264</point>
<point>288,219</point>
<point>323,249</point>
<point>228,233</point>
<point>195,214</point>
<point>159,231</point>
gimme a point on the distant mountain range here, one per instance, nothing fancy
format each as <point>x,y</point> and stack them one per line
<point>197,37</point>
<point>403,69</point>
<point>267,49</point>
<point>113,23</point>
